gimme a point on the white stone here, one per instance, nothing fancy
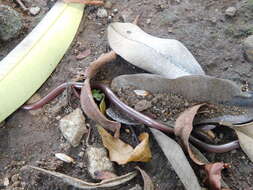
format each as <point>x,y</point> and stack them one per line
<point>230,11</point>
<point>102,13</point>
<point>34,11</point>
<point>73,127</point>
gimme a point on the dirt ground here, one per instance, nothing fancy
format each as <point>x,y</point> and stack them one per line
<point>214,39</point>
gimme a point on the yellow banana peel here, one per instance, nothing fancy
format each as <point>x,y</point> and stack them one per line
<point>27,66</point>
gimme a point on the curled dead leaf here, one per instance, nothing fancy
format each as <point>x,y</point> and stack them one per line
<point>78,183</point>
<point>87,102</point>
<point>183,128</point>
<point>148,184</point>
<point>123,153</point>
<point>213,171</point>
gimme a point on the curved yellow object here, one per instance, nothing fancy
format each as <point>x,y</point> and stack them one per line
<point>27,66</point>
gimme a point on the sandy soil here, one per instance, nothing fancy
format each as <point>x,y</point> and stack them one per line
<point>213,38</point>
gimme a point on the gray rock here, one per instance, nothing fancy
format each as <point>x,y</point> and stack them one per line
<point>10,23</point>
<point>73,127</point>
<point>34,11</point>
<point>248,48</point>
<point>230,11</point>
<point>102,13</point>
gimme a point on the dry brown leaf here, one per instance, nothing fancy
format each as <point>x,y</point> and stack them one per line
<point>148,184</point>
<point>213,171</point>
<point>183,129</point>
<point>123,153</point>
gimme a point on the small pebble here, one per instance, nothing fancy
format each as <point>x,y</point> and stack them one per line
<point>115,11</point>
<point>170,30</point>
<point>80,165</point>
<point>102,13</point>
<point>230,11</point>
<point>34,11</point>
<point>110,18</point>
<point>6,181</point>
<point>108,4</point>
<point>148,21</point>
<point>81,154</point>
<point>141,92</point>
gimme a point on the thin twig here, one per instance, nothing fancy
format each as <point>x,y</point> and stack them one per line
<point>21,4</point>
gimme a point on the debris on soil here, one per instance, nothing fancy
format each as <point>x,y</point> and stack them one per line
<point>102,13</point>
<point>248,48</point>
<point>10,23</point>
<point>78,183</point>
<point>122,152</point>
<point>34,11</point>
<point>73,127</point>
<point>230,11</point>
<point>142,105</point>
<point>65,158</point>
<point>98,161</point>
<point>108,5</point>
<point>30,138</point>
<point>167,106</point>
<point>83,54</point>
<point>136,187</point>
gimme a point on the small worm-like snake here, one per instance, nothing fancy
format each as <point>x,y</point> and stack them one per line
<point>131,112</point>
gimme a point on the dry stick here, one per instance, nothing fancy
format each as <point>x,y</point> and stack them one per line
<point>21,4</point>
